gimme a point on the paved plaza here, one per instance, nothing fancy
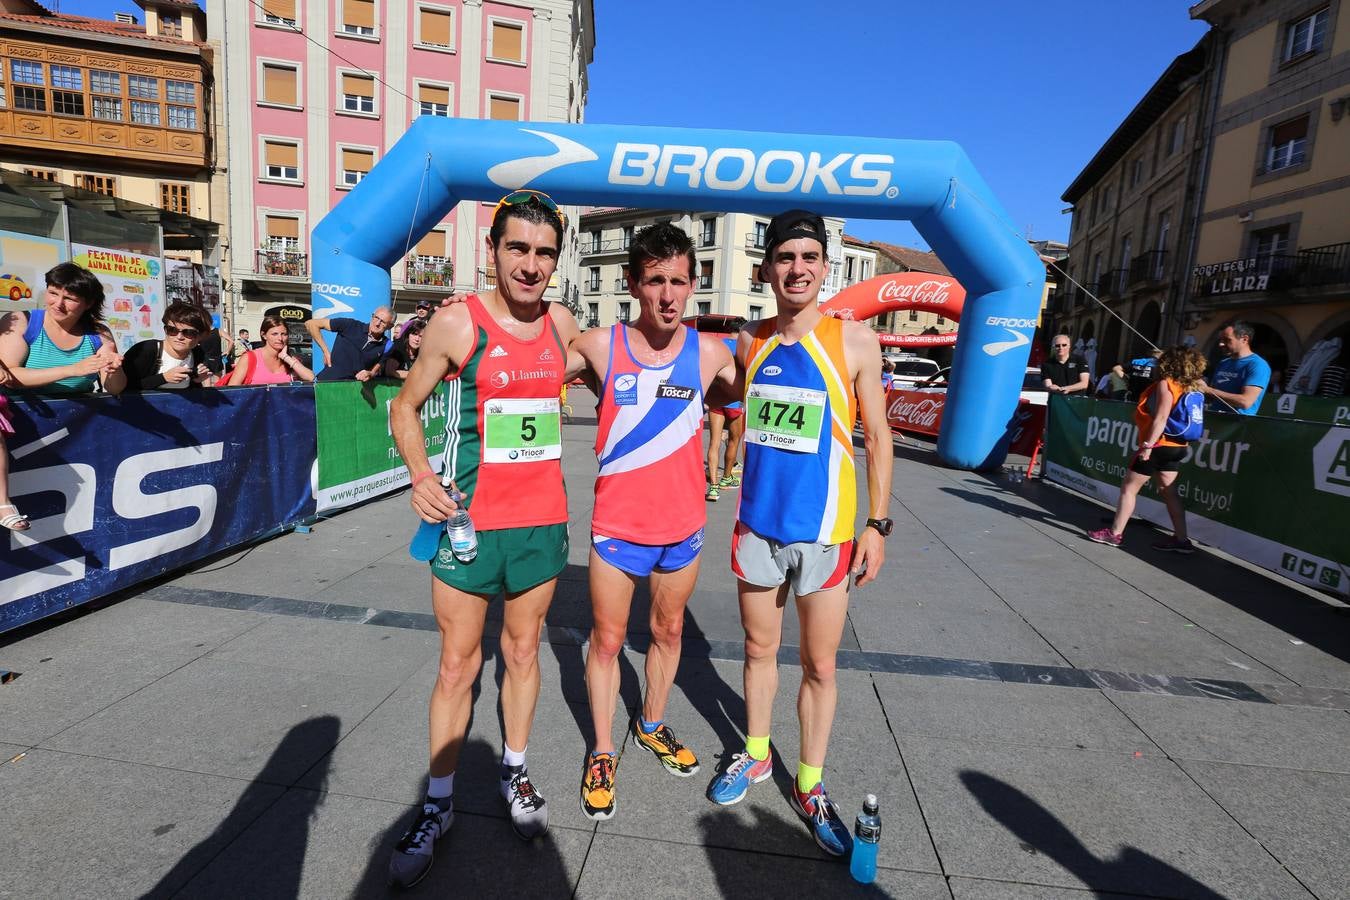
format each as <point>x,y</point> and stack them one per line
<point>1043,718</point>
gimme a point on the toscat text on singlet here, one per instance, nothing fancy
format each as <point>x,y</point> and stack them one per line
<point>650,446</point>
<point>503,428</point>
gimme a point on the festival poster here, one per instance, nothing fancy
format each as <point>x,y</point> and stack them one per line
<point>24,261</point>
<point>133,286</point>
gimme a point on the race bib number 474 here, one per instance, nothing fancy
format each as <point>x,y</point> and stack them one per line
<point>517,431</point>
<point>784,417</point>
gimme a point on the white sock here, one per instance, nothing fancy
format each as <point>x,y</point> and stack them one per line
<point>440,787</point>
<point>511,757</point>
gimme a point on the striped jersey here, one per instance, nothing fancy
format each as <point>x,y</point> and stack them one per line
<point>503,429</point>
<point>799,483</point>
<point>650,446</point>
<point>44,354</point>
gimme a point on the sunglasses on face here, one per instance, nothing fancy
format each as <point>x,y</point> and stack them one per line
<point>173,331</point>
<point>517,198</point>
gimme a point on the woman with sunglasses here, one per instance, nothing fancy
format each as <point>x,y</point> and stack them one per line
<point>177,362</point>
<point>272,363</point>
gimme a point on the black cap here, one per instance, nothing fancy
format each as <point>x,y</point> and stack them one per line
<point>424,304</point>
<point>787,226</point>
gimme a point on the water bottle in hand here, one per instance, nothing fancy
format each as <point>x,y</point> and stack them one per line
<point>463,537</point>
<point>862,864</point>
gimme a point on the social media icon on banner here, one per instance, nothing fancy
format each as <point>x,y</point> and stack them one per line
<point>1289,563</point>
<point>1330,577</point>
<point>1307,568</point>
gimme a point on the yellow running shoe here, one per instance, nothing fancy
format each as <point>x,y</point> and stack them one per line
<point>676,757</point>
<point>597,786</point>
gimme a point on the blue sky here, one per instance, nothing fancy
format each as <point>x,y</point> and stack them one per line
<point>1030,90</point>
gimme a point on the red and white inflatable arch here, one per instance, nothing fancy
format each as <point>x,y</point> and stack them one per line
<point>939,294</point>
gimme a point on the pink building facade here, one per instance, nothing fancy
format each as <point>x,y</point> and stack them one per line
<point>315,91</point>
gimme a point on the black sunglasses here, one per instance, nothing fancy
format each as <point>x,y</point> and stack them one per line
<point>188,333</point>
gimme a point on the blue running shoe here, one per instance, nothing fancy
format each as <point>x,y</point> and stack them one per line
<point>822,817</point>
<point>745,770</point>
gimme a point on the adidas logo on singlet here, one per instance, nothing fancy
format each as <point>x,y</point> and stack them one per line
<point>498,350</point>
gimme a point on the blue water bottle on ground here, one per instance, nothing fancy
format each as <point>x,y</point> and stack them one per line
<point>862,863</point>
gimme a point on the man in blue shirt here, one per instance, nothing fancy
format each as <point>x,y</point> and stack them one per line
<point>1241,379</point>
<point>357,348</point>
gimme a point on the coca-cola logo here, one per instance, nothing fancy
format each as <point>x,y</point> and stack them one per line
<point>923,412</point>
<point>932,292</point>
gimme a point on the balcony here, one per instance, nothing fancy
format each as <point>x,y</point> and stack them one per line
<point>1148,267</point>
<point>593,322</point>
<point>592,287</point>
<point>1307,272</point>
<point>487,279</point>
<point>616,245</point>
<point>704,283</point>
<point>281,263</point>
<point>756,287</point>
<point>707,239</point>
<point>754,241</point>
<point>1112,284</point>
<point>429,271</point>
<point>621,285</point>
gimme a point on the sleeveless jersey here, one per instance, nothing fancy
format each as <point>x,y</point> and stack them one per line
<point>799,483</point>
<point>43,354</point>
<point>503,431</point>
<point>650,446</point>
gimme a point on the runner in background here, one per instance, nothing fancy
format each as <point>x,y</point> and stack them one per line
<point>729,419</point>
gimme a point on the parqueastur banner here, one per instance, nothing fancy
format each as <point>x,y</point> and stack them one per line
<point>1275,493</point>
<point>357,457</point>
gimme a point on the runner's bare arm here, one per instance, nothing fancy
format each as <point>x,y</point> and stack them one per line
<point>720,385</point>
<point>568,330</point>
<point>591,348</point>
<point>862,350</point>
<point>446,342</point>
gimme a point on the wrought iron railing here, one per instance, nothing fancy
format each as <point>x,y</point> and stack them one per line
<point>283,263</point>
<point>429,271</point>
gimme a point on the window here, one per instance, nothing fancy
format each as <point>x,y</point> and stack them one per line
<point>705,275</point>
<point>848,268</point>
<point>176,198</point>
<point>279,12</point>
<point>109,108</point>
<point>170,26</point>
<point>99,184</point>
<point>433,100</point>
<point>2,94</point>
<point>1136,171</point>
<point>44,174</point>
<point>625,311</point>
<point>356,164</point>
<point>1177,136</point>
<point>760,228</point>
<point>1106,199</point>
<point>183,117</point>
<point>627,237</point>
<point>507,108</point>
<point>67,103</point>
<point>435,27</point>
<point>283,233</point>
<point>704,307</point>
<point>708,235</point>
<point>595,240</point>
<point>30,98</point>
<point>506,41</point>
<point>23,71</point>
<point>914,315</point>
<point>1268,245</point>
<point>1160,243</point>
<point>432,245</point>
<point>592,314</point>
<point>756,313</point>
<point>1307,35</point>
<point>281,160</point>
<point>143,87</point>
<point>68,77</point>
<point>358,93</point>
<point>593,278</point>
<point>279,85</point>
<point>1288,144</point>
<point>144,113</point>
<point>358,17</point>
<point>180,92</point>
<point>101,82</point>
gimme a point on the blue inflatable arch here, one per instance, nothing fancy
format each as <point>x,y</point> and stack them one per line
<point>440,162</point>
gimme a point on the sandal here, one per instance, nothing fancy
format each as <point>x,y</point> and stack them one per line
<point>15,521</point>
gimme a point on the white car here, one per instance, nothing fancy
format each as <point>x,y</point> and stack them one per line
<point>911,369</point>
<point>1033,385</point>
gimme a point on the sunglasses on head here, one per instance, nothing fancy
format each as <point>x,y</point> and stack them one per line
<point>518,198</point>
<point>173,331</point>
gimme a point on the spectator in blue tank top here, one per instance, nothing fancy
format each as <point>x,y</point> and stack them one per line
<point>63,348</point>
<point>1240,380</point>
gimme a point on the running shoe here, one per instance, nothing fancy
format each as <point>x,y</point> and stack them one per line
<point>1105,536</point>
<point>712,494</point>
<point>745,770</point>
<point>412,857</point>
<point>822,817</point>
<point>663,744</point>
<point>1172,545</point>
<point>597,786</point>
<point>729,482</point>
<point>736,469</point>
<point>529,815</point>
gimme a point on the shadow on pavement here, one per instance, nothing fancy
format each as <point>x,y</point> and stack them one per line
<point>481,856</point>
<point>288,836</point>
<point>1132,871</point>
<point>765,872</point>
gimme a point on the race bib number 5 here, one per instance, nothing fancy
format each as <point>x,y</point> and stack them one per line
<point>784,417</point>
<point>516,431</point>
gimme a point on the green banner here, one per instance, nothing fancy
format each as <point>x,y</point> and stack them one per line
<point>1332,410</point>
<point>1275,493</point>
<point>357,457</point>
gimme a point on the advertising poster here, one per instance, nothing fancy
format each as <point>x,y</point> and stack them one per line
<point>133,287</point>
<point>1265,490</point>
<point>193,283</point>
<point>24,260</point>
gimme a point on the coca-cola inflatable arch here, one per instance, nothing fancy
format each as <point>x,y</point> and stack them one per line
<point>441,162</point>
<point>897,292</point>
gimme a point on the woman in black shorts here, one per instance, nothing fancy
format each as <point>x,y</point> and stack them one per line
<point>1159,455</point>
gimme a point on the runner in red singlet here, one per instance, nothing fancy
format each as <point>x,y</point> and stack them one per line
<point>507,350</point>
